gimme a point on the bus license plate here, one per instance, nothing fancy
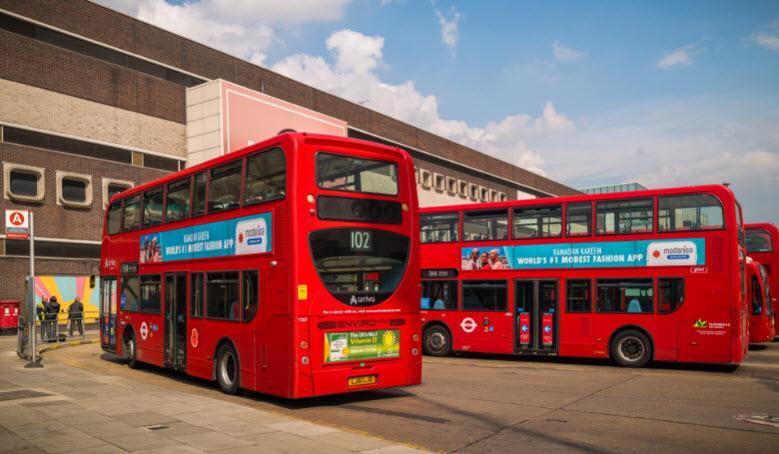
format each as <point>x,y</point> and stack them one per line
<point>362,380</point>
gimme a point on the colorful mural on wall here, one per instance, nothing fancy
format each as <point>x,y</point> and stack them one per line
<point>66,289</point>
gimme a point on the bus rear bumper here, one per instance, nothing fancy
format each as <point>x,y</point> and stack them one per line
<point>373,375</point>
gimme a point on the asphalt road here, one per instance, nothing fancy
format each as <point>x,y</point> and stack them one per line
<point>478,403</point>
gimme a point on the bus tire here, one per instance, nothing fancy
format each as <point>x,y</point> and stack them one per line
<point>631,348</point>
<point>130,351</point>
<point>228,370</point>
<point>437,341</point>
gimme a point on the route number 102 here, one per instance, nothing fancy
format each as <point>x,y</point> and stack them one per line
<point>360,240</point>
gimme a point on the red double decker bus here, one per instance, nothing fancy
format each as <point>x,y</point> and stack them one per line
<point>289,267</point>
<point>657,274</point>
<point>762,245</point>
<point>762,326</point>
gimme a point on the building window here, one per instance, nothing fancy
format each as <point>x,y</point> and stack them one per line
<point>493,195</point>
<point>670,294</point>
<point>439,182</point>
<point>56,249</point>
<point>502,197</point>
<point>579,219</point>
<point>578,298</point>
<point>484,296</point>
<point>251,294</point>
<point>451,185</point>
<point>177,201</point>
<point>425,178</point>
<point>222,296</point>
<point>689,212</point>
<point>545,222</point>
<point>224,192</point>
<point>112,187</point>
<point>150,294</point>
<point>132,213</point>
<point>24,183</point>
<point>485,225</point>
<point>439,228</point>
<point>266,177</point>
<point>473,191</point>
<point>462,188</point>
<point>625,216</point>
<point>74,190</point>
<point>153,200</point>
<point>439,295</point>
<point>196,295</point>
<point>625,295</point>
<point>484,194</point>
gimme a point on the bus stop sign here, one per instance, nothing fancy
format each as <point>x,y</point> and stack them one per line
<point>17,224</point>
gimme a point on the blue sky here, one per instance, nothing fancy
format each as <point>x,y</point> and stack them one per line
<point>589,93</point>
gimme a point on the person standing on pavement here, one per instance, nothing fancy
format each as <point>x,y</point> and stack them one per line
<point>76,316</point>
<point>51,317</point>
<point>41,310</point>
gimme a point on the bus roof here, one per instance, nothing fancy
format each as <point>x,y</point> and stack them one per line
<point>300,137</point>
<point>719,190</point>
<point>763,225</point>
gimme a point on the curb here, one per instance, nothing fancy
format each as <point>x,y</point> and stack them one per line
<point>69,344</point>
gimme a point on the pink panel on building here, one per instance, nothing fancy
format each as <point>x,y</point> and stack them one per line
<point>250,117</point>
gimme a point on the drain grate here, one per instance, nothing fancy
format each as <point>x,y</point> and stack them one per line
<point>157,427</point>
<point>21,394</point>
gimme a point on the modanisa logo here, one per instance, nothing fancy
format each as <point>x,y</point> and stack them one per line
<point>671,253</point>
<point>251,236</point>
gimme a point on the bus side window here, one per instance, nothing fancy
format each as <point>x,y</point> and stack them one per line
<point>224,190</point>
<point>689,212</point>
<point>199,195</point>
<point>625,295</point>
<point>625,216</point>
<point>152,207</point>
<point>222,297</point>
<point>439,228</point>
<point>579,219</point>
<point>439,295</point>
<point>132,213</point>
<point>196,291</point>
<point>671,295</point>
<point>251,294</point>
<point>266,177</point>
<point>757,300</point>
<point>115,218</point>
<point>485,225</point>
<point>578,296</point>
<point>130,293</point>
<point>177,201</point>
<point>544,222</point>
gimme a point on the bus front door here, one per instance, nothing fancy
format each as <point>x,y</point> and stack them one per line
<point>536,316</point>
<point>176,321</point>
<point>108,313</point>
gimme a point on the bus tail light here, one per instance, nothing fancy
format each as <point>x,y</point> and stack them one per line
<point>303,345</point>
<point>414,352</point>
<point>304,360</point>
<point>415,337</point>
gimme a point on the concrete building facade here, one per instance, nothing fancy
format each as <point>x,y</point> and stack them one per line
<point>93,101</point>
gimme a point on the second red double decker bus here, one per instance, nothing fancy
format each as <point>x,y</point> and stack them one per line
<point>637,276</point>
<point>289,267</point>
<point>763,246</point>
<point>762,327</point>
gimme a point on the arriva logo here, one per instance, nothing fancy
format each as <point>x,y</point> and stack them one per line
<point>362,300</point>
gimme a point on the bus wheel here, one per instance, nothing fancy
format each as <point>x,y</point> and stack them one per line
<point>437,341</point>
<point>227,369</point>
<point>631,348</point>
<point>129,351</point>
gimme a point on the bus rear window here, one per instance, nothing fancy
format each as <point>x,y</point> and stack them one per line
<point>360,267</point>
<point>759,240</point>
<point>347,173</point>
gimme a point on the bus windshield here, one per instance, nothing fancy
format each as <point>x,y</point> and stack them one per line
<point>351,174</point>
<point>360,267</point>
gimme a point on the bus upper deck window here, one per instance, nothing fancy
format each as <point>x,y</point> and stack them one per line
<point>115,218</point>
<point>689,212</point>
<point>579,219</point>
<point>266,177</point>
<point>132,213</point>
<point>177,203</point>
<point>485,225</point>
<point>439,228</point>
<point>224,192</point>
<point>199,194</point>
<point>352,174</point>
<point>625,216</point>
<point>542,222</point>
<point>152,207</point>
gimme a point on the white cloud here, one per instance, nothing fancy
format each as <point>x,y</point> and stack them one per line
<point>244,28</point>
<point>769,41</point>
<point>676,143</point>
<point>450,29</point>
<point>564,53</point>
<point>352,74</point>
<point>682,56</point>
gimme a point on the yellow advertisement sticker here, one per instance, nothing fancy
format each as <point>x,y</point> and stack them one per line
<point>302,292</point>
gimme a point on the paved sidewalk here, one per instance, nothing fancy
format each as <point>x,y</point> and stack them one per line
<point>60,408</point>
